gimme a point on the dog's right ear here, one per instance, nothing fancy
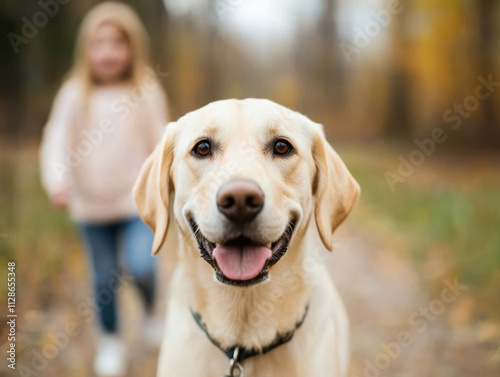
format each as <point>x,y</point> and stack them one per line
<point>152,188</point>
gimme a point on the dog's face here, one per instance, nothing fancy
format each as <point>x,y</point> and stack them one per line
<point>247,176</point>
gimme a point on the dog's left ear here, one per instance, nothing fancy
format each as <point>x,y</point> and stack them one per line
<point>153,186</point>
<point>335,189</point>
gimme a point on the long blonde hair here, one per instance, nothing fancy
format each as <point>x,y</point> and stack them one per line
<point>127,20</point>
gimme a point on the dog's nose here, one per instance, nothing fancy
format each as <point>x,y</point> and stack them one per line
<point>240,200</point>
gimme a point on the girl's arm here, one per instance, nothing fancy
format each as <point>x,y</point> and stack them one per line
<point>54,165</point>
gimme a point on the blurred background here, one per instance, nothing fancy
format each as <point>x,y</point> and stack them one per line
<point>408,93</point>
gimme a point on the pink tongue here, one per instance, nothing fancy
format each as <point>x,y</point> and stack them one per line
<point>241,263</point>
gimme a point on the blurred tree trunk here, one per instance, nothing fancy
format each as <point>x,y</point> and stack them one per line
<point>159,16</point>
<point>319,64</point>
<point>12,113</point>
<point>489,131</point>
<point>331,69</point>
<point>398,124</point>
<point>212,57</point>
<point>155,17</point>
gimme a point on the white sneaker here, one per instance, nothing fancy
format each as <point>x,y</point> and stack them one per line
<point>111,356</point>
<point>152,330</point>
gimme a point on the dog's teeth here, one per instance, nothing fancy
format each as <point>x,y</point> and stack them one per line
<point>207,245</point>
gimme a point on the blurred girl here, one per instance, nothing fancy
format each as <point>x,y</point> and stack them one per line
<point>105,120</point>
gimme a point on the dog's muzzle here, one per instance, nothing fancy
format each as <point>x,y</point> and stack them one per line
<point>241,261</point>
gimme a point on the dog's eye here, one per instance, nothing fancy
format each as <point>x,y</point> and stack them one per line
<point>202,149</point>
<point>282,147</point>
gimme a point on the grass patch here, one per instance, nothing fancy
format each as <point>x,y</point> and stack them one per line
<point>465,220</point>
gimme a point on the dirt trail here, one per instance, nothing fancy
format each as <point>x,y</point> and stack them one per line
<point>397,329</point>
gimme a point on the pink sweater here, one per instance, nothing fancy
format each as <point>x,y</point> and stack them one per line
<point>96,155</point>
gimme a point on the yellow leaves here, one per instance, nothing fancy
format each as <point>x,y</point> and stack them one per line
<point>461,313</point>
<point>488,331</point>
<point>439,41</point>
<point>492,360</point>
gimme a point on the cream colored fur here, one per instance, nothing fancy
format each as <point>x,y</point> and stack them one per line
<point>313,185</point>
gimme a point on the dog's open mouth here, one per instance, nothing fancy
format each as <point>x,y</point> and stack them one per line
<point>241,261</point>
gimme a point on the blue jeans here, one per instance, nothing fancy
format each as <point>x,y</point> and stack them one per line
<point>102,242</point>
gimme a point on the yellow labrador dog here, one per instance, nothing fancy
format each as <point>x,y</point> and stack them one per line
<point>256,192</point>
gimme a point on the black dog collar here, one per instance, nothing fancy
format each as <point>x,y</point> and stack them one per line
<point>244,353</point>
